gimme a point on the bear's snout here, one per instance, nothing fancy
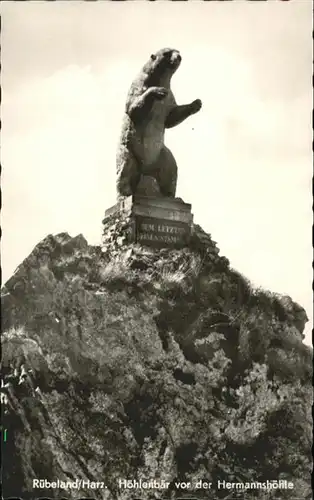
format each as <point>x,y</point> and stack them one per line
<point>176,59</point>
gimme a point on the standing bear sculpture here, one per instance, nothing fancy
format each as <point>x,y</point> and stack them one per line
<point>145,166</point>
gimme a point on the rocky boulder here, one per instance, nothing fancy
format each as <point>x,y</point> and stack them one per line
<point>125,362</point>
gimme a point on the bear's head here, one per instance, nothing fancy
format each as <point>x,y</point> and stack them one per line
<point>162,64</point>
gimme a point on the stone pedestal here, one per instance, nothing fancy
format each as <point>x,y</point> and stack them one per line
<point>157,222</point>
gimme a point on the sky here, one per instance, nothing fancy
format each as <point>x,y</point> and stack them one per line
<point>245,160</point>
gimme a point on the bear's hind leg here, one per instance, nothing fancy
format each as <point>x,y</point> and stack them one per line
<point>128,173</point>
<point>167,173</point>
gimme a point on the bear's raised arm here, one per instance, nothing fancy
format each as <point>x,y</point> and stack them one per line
<point>138,107</point>
<point>180,113</point>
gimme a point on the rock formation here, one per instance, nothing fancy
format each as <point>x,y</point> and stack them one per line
<point>129,362</point>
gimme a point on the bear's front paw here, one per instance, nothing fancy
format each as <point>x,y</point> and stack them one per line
<point>160,92</point>
<point>196,105</point>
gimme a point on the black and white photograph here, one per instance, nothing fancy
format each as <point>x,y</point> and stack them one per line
<point>156,250</point>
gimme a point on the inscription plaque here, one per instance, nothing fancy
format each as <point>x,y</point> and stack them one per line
<point>157,222</point>
<point>161,232</point>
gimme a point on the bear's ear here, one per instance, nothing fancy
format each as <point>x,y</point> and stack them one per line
<point>153,57</point>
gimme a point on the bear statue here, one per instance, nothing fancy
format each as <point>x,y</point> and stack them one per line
<point>145,166</point>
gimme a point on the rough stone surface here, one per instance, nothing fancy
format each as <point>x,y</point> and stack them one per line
<point>172,209</point>
<point>125,362</point>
